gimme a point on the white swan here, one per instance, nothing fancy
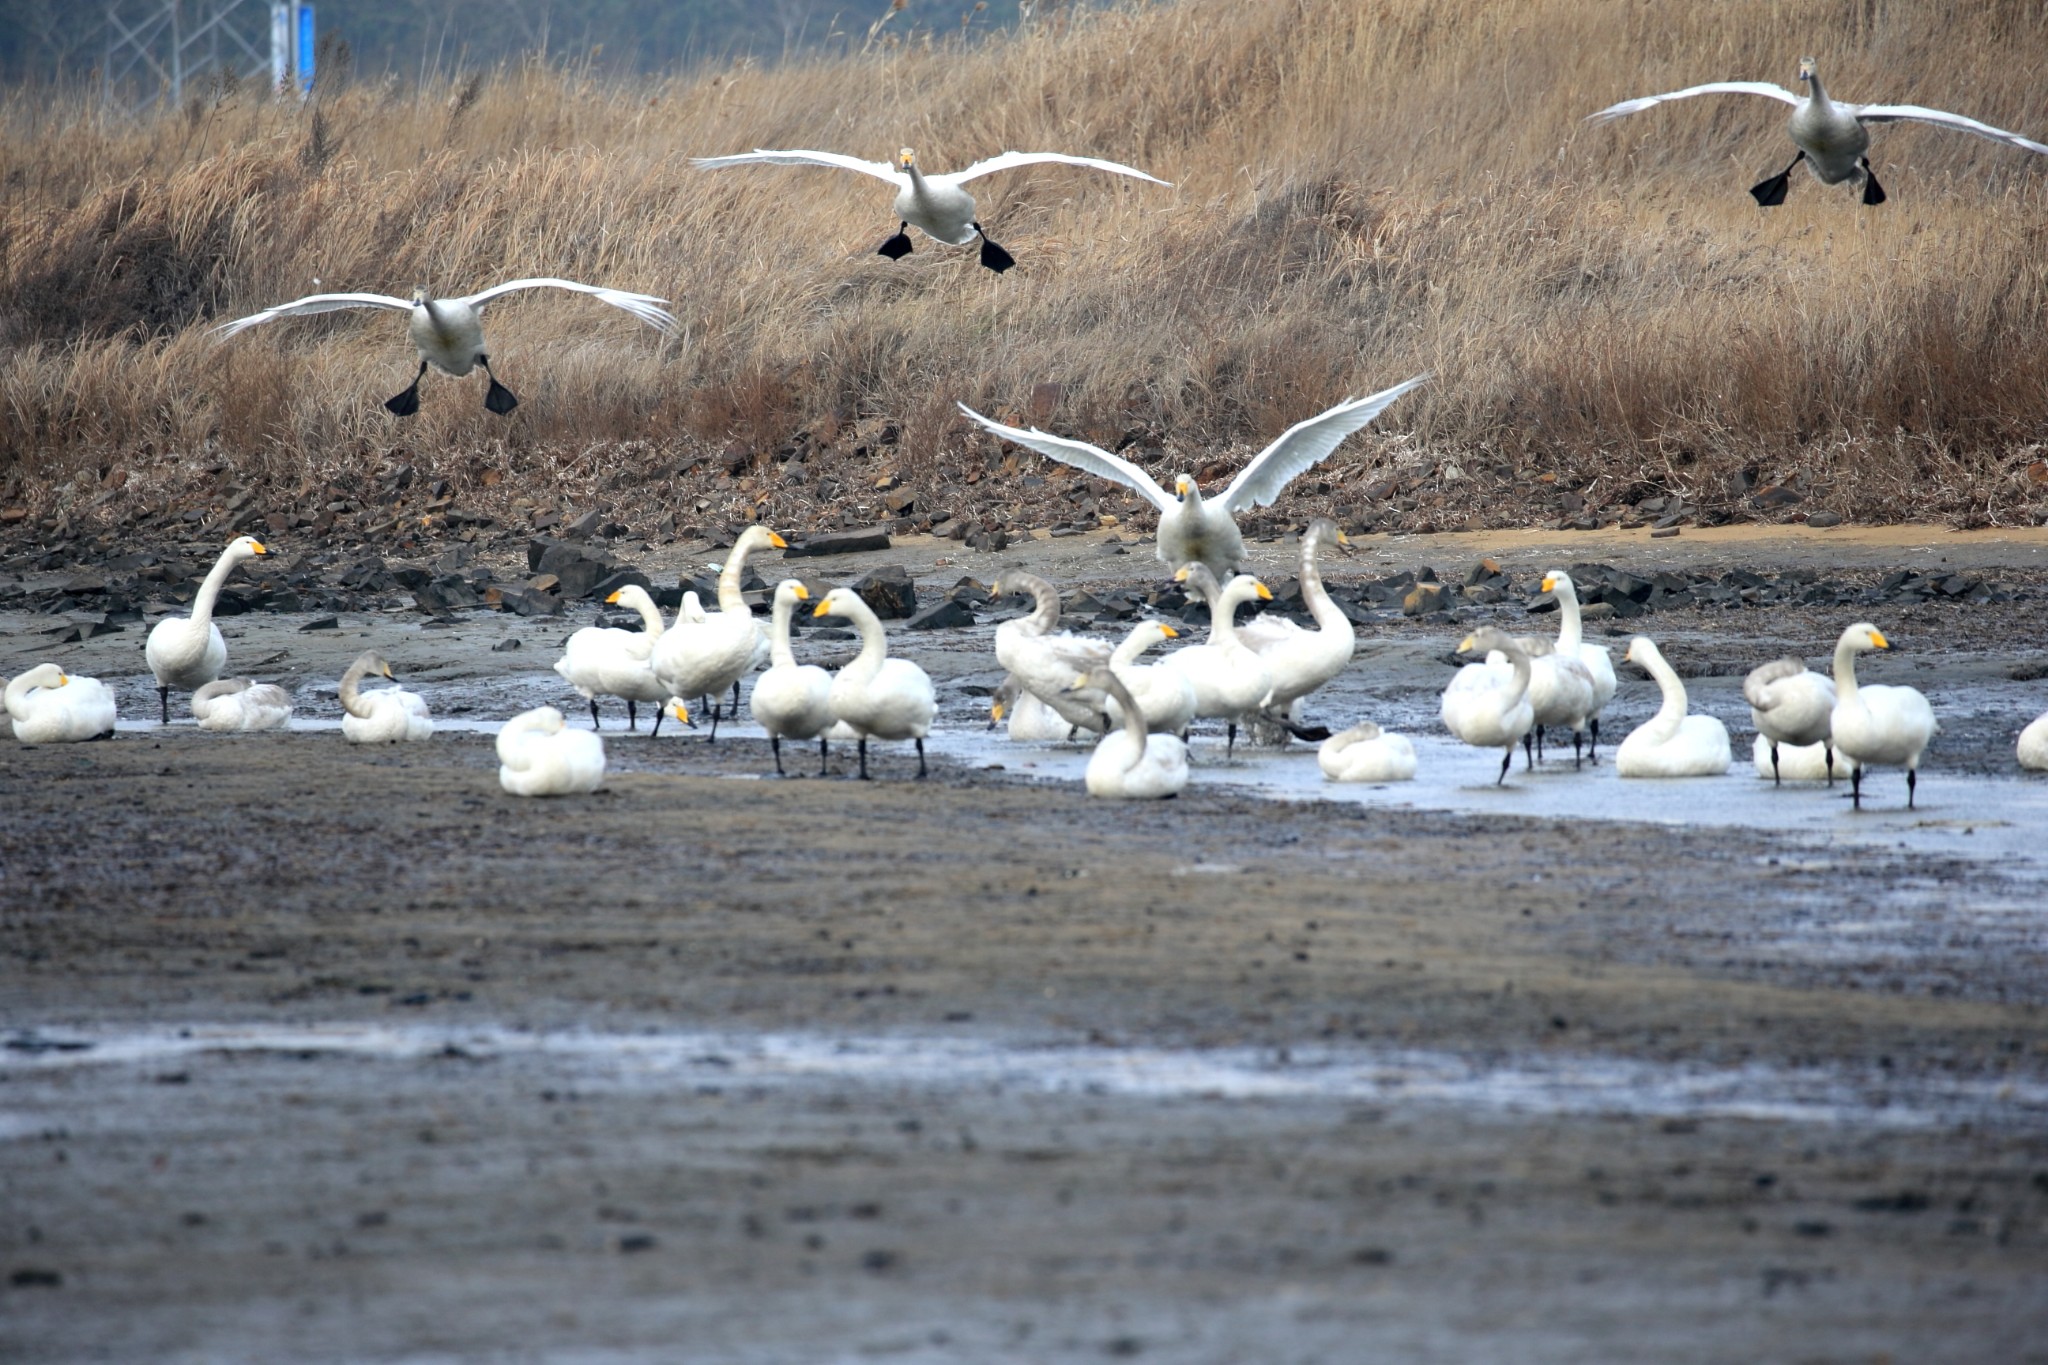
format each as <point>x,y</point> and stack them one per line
<point>1299,661</point>
<point>1043,663</point>
<point>1671,743</point>
<point>1882,727</point>
<point>935,205</point>
<point>877,696</point>
<point>1031,721</point>
<point>49,706</point>
<point>538,755</point>
<point>2032,750</point>
<point>605,661</point>
<point>1229,680</point>
<point>1571,643</point>
<point>791,699</point>
<point>1189,528</point>
<point>1164,693</point>
<point>449,334</point>
<point>185,651</point>
<point>704,658</point>
<point>1792,706</point>
<point>1130,763</point>
<point>1560,693</point>
<point>1366,753</point>
<point>1487,703</point>
<point>241,704</point>
<point>1831,137</point>
<point>389,715</point>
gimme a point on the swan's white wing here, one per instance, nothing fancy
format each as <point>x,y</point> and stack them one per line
<point>1894,113</point>
<point>314,303</point>
<point>881,170</point>
<point>1636,106</point>
<point>1004,161</point>
<point>1305,444</point>
<point>645,307</point>
<point>1081,455</point>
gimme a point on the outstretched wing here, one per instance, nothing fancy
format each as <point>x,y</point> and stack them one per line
<point>645,307</point>
<point>313,303</point>
<point>1636,106</point>
<point>881,170</point>
<point>1081,455</point>
<point>1004,161</point>
<point>1896,113</point>
<point>1305,444</point>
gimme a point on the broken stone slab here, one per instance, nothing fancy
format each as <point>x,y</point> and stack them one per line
<point>840,543</point>
<point>946,614</point>
<point>625,578</point>
<point>889,590</point>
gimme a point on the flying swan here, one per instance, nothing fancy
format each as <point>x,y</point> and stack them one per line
<point>185,651</point>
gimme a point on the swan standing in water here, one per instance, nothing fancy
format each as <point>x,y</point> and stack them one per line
<point>1883,727</point>
<point>605,661</point>
<point>1366,753</point>
<point>703,659</point>
<point>1792,706</point>
<point>49,706</point>
<point>877,696</point>
<point>538,755</point>
<point>935,205</point>
<point>389,715</point>
<point>791,699</point>
<point>1044,664</point>
<point>1299,661</point>
<point>449,334</point>
<point>1130,763</point>
<point>1571,644</point>
<point>2032,750</point>
<point>1164,693</point>
<point>1671,743</point>
<point>1206,532</point>
<point>1031,721</point>
<point>1230,681</point>
<point>230,705</point>
<point>1831,137</point>
<point>1487,703</point>
<point>185,651</point>
<point>1798,762</point>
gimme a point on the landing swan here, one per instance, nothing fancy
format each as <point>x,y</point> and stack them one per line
<point>1882,727</point>
<point>1300,661</point>
<point>1044,663</point>
<point>1229,680</point>
<point>389,715</point>
<point>703,659</point>
<point>1831,137</point>
<point>1671,743</point>
<point>1366,753</point>
<point>50,706</point>
<point>1129,763</point>
<point>1797,762</point>
<point>1571,644</point>
<point>2033,746</point>
<point>1487,703</point>
<point>605,661</point>
<point>1206,532</point>
<point>1164,693</point>
<point>875,695</point>
<point>538,755</point>
<point>183,651</point>
<point>241,704</point>
<point>935,205</point>
<point>449,334</point>
<point>791,699</point>
<point>1792,706</point>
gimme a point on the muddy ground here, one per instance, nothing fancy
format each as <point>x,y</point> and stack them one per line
<point>321,1053</point>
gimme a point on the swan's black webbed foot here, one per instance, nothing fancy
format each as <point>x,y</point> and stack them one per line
<point>1856,786</point>
<point>407,403</point>
<point>1593,748</point>
<point>993,256</point>
<point>1873,193</point>
<point>1771,193</point>
<point>897,247</point>
<point>497,398</point>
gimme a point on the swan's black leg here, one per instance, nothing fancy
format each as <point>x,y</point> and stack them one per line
<point>1776,780</point>
<point>1507,760</point>
<point>1539,741</point>
<point>163,694</point>
<point>1856,786</point>
<point>714,726</point>
<point>632,715</point>
<point>921,770</point>
<point>824,757</point>
<point>1771,193</point>
<point>1912,785</point>
<point>593,715</point>
<point>993,256</point>
<point>1230,740</point>
<point>775,743</point>
<point>1593,747</point>
<point>863,758</point>
<point>1873,193</point>
<point>497,397</point>
<point>1528,749</point>
<point>1576,737</point>
<point>407,403</point>
<point>1827,751</point>
<point>897,247</point>
<point>659,712</point>
<point>735,698</point>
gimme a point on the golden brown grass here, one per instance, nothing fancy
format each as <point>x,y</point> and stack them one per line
<point>1364,189</point>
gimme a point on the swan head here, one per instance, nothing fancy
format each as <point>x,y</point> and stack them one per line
<point>754,537</point>
<point>1166,632</point>
<point>1197,576</point>
<point>1863,635</point>
<point>841,602</point>
<point>1183,486</point>
<point>1488,639</point>
<point>791,592</point>
<point>680,711</point>
<point>1641,651</point>
<point>420,296</point>
<point>1560,582</point>
<point>1323,531</point>
<point>371,662</point>
<point>906,158</point>
<point>246,547</point>
<point>1808,68</point>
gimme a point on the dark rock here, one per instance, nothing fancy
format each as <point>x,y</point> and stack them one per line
<point>1777,495</point>
<point>946,614</point>
<point>585,526</point>
<point>1824,519</point>
<point>536,550</point>
<point>505,646</point>
<point>580,576</point>
<point>523,599</point>
<point>1425,598</point>
<point>34,1277</point>
<point>840,543</point>
<point>324,623</point>
<point>411,577</point>
<point>889,590</point>
<point>444,595</point>
<point>456,558</point>
<point>623,578</point>
<point>1483,572</point>
<point>1959,585</point>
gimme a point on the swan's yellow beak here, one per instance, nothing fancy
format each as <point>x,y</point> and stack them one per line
<point>1079,682</point>
<point>1169,632</point>
<point>63,680</point>
<point>777,541</point>
<point>1344,540</point>
<point>905,157</point>
<point>1265,593</point>
<point>1549,583</point>
<point>824,609</point>
<point>613,596</point>
<point>1180,575</point>
<point>258,547</point>
<point>1877,638</point>
<point>1180,486</point>
<point>800,593</point>
<point>1467,646</point>
<point>680,711</point>
<point>995,713</point>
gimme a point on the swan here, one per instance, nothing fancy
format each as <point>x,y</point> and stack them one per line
<point>875,695</point>
<point>1130,763</point>
<point>449,334</point>
<point>1884,727</point>
<point>1044,664</point>
<point>1487,703</point>
<point>1560,693</point>
<point>538,755</point>
<point>606,661</point>
<point>1798,762</point>
<point>1189,528</point>
<point>1164,693</point>
<point>185,651</point>
<point>2032,750</point>
<point>1571,644</point>
<point>1366,753</point>
<point>1792,705</point>
<point>1300,661</point>
<point>1031,721</point>
<point>1229,680</point>
<point>935,205</point>
<point>791,699</point>
<point>50,706</point>
<point>1671,743</point>
<point>1831,137</point>
<point>240,704</point>
<point>389,715</point>
<point>703,658</point>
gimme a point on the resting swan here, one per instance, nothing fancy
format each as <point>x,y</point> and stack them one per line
<point>1206,532</point>
<point>1571,644</point>
<point>703,659</point>
<point>2032,750</point>
<point>185,651</point>
<point>935,205</point>
<point>1831,137</point>
<point>1792,706</point>
<point>875,695</point>
<point>50,706</point>
<point>1884,727</point>
<point>538,755</point>
<point>1487,704</point>
<point>389,715</point>
<point>233,705</point>
<point>791,699</point>
<point>1671,743</point>
<point>1130,763</point>
<point>1229,680</point>
<point>605,661</point>
<point>1299,661</point>
<point>448,333</point>
<point>1043,663</point>
<point>1366,753</point>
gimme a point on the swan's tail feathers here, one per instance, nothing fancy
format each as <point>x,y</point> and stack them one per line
<point>407,403</point>
<point>1771,193</point>
<point>897,247</point>
<point>1873,193</point>
<point>497,398</point>
<point>993,256</point>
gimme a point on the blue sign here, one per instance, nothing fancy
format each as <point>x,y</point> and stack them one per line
<point>305,46</point>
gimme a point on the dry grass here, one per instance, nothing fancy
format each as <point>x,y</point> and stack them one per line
<point>1365,188</point>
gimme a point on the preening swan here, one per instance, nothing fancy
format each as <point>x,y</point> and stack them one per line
<point>791,699</point>
<point>389,715</point>
<point>1487,703</point>
<point>1299,661</point>
<point>185,651</point>
<point>1671,743</point>
<point>1877,727</point>
<point>1130,763</point>
<point>1830,136</point>
<point>2032,750</point>
<point>605,661</point>
<point>1571,644</point>
<point>1229,680</point>
<point>1164,693</point>
<point>50,706</point>
<point>1206,532</point>
<point>538,755</point>
<point>1366,753</point>
<point>449,334</point>
<point>1043,663</point>
<point>875,695</point>
<point>241,704</point>
<point>703,659</point>
<point>1031,721</point>
<point>935,205</point>
<point>1792,707</point>
<point>1798,762</point>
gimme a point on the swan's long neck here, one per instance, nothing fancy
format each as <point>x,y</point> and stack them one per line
<point>1320,605</point>
<point>1816,94</point>
<point>1223,618</point>
<point>1569,627</point>
<point>650,615</point>
<point>729,598</point>
<point>779,653</point>
<point>1672,713</point>
<point>1136,643</point>
<point>209,591</point>
<point>918,188</point>
<point>874,646</point>
<point>1046,614</point>
<point>1519,662</point>
<point>351,690</point>
<point>1845,672</point>
<point>1133,722</point>
<point>18,690</point>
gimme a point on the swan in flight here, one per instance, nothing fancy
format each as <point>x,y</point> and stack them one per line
<point>606,661</point>
<point>791,699</point>
<point>1300,661</point>
<point>1884,727</point>
<point>703,658</point>
<point>1230,681</point>
<point>1487,703</point>
<point>1044,664</point>
<point>1671,743</point>
<point>1206,532</point>
<point>1792,705</point>
<point>1366,753</point>
<point>2032,750</point>
<point>1831,136</point>
<point>935,205</point>
<point>50,706</point>
<point>185,651</point>
<point>538,755</point>
<point>449,334</point>
<point>389,715</point>
<point>231,705</point>
<point>1130,763</point>
<point>875,695</point>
